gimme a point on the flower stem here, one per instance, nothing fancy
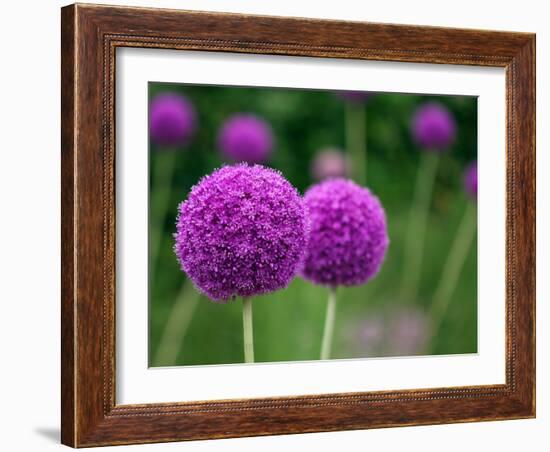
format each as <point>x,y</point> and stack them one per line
<point>248,334</point>
<point>164,172</point>
<point>451,271</point>
<point>356,140</point>
<point>326,344</point>
<point>179,319</point>
<point>416,228</point>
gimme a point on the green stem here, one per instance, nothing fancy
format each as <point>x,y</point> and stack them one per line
<point>248,334</point>
<point>356,140</point>
<point>453,267</point>
<point>416,227</point>
<point>162,180</point>
<point>179,319</point>
<point>326,343</point>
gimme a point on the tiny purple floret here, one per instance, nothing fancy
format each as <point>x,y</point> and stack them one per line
<point>242,231</point>
<point>329,163</point>
<point>172,120</point>
<point>245,137</point>
<point>470,180</point>
<point>433,127</point>
<point>349,236</point>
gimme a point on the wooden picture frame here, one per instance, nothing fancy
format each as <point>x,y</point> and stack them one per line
<point>90,36</point>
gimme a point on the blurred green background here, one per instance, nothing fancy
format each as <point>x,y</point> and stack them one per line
<point>372,320</point>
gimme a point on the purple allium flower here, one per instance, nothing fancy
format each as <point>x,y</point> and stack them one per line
<point>433,127</point>
<point>470,180</point>
<point>356,97</point>
<point>245,137</point>
<point>349,237</point>
<point>329,163</point>
<point>242,231</point>
<point>172,120</point>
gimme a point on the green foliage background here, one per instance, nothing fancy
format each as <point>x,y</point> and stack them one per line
<point>288,324</point>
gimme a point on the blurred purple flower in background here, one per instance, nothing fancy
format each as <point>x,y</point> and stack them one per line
<point>408,332</point>
<point>433,127</point>
<point>172,120</point>
<point>470,180</point>
<point>245,137</point>
<point>329,163</point>
<point>369,335</point>
<point>242,231</point>
<point>395,331</point>
<point>349,236</point>
<point>356,97</point>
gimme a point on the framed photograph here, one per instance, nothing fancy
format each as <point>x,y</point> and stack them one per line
<point>281,225</point>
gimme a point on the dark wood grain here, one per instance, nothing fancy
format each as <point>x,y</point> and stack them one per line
<point>90,36</point>
<point>68,298</point>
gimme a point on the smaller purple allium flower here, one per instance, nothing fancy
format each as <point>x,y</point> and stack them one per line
<point>241,232</point>
<point>329,163</point>
<point>349,236</point>
<point>470,180</point>
<point>356,97</point>
<point>433,127</point>
<point>245,137</point>
<point>172,120</point>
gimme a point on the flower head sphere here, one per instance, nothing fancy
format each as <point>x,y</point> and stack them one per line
<point>433,127</point>
<point>470,180</point>
<point>247,138</point>
<point>329,163</point>
<point>172,120</point>
<point>241,232</point>
<point>348,238</point>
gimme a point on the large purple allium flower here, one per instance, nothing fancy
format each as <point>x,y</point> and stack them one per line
<point>242,231</point>
<point>357,97</point>
<point>470,180</point>
<point>172,120</point>
<point>245,137</point>
<point>433,127</point>
<point>329,163</point>
<point>349,237</point>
